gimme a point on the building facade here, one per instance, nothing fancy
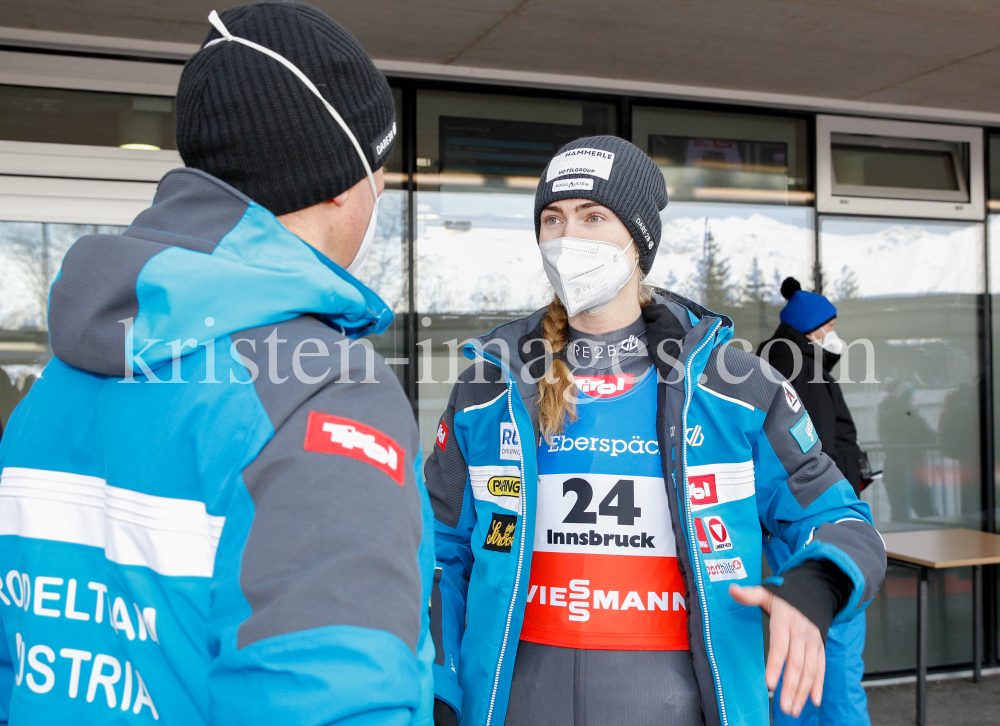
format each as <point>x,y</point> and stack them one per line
<point>889,211</point>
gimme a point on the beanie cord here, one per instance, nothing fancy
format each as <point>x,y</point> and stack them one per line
<point>216,21</point>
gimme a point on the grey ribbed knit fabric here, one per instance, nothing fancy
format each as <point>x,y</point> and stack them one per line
<point>246,119</point>
<point>629,184</point>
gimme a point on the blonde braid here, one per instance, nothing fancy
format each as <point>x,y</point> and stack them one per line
<point>556,400</point>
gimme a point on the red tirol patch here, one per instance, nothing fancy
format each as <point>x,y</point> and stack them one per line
<point>442,435</point>
<point>604,386</point>
<point>703,489</point>
<point>334,435</point>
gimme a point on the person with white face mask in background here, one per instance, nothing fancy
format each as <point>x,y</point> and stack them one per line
<point>601,480</point>
<point>805,348</point>
<point>252,543</point>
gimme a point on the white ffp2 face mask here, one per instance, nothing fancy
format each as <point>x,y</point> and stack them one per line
<point>832,342</point>
<point>586,273</point>
<point>366,243</point>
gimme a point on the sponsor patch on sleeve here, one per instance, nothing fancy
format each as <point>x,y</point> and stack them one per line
<point>334,435</point>
<point>725,569</point>
<point>594,162</point>
<point>510,442</point>
<point>442,435</point>
<point>712,534</point>
<point>791,397</point>
<point>500,485</point>
<point>500,535</point>
<point>565,185</point>
<point>712,484</point>
<point>804,433</point>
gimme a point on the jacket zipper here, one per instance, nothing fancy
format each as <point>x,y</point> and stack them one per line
<point>691,536</point>
<point>520,554</point>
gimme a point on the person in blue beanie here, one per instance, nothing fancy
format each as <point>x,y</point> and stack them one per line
<point>807,332</point>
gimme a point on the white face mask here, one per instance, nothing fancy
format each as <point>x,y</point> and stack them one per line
<point>832,343</point>
<point>586,273</point>
<point>359,258</point>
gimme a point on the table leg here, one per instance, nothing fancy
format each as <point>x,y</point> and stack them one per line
<point>977,623</point>
<point>922,647</point>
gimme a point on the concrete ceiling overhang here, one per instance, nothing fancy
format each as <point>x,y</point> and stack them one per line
<point>933,53</point>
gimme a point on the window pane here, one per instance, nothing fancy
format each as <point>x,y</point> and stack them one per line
<point>92,118</point>
<point>731,258</point>
<point>907,296</point>
<point>726,157</point>
<point>31,254</point>
<point>386,271</point>
<point>479,157</point>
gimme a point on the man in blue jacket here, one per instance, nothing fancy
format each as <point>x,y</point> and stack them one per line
<point>207,513</point>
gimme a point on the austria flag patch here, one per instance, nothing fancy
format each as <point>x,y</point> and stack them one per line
<point>334,435</point>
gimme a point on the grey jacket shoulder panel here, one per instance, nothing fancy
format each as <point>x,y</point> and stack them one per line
<point>191,209</point>
<point>97,282</point>
<point>740,375</point>
<point>95,290</point>
<point>335,537</point>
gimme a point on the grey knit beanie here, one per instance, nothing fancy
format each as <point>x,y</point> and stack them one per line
<point>613,172</point>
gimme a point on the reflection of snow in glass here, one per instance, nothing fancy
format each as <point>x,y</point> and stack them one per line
<point>476,252</point>
<point>874,258</point>
<point>384,269</point>
<point>728,254</point>
<point>31,254</point>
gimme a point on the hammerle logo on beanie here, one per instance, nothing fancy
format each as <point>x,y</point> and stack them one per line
<point>594,162</point>
<point>383,141</point>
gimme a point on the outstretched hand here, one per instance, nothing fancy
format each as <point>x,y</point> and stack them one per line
<point>796,646</point>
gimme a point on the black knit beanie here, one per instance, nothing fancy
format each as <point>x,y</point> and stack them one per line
<point>613,172</point>
<point>246,119</point>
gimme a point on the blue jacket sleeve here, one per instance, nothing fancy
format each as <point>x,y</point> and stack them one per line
<point>447,478</point>
<point>329,624</point>
<point>805,501</point>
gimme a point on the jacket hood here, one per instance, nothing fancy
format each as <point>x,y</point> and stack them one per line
<point>204,261</point>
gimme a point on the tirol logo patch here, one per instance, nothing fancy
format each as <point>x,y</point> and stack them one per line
<point>644,231</point>
<point>725,569</point>
<point>594,162</point>
<point>703,490</point>
<point>504,486</point>
<point>500,536</point>
<point>334,435</point>
<point>442,435</point>
<point>565,185</point>
<point>791,397</point>
<point>384,141</point>
<point>510,442</point>
<point>804,433</point>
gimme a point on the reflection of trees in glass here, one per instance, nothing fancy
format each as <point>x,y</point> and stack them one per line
<point>755,293</point>
<point>31,255</point>
<point>713,274</point>
<point>27,248</point>
<point>383,270</point>
<point>847,287</point>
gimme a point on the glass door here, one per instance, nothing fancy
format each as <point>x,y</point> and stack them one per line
<point>908,294</point>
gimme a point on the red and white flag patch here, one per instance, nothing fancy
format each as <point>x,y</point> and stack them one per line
<point>334,435</point>
<point>442,435</point>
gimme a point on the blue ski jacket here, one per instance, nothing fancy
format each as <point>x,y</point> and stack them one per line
<point>735,442</point>
<point>211,502</point>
